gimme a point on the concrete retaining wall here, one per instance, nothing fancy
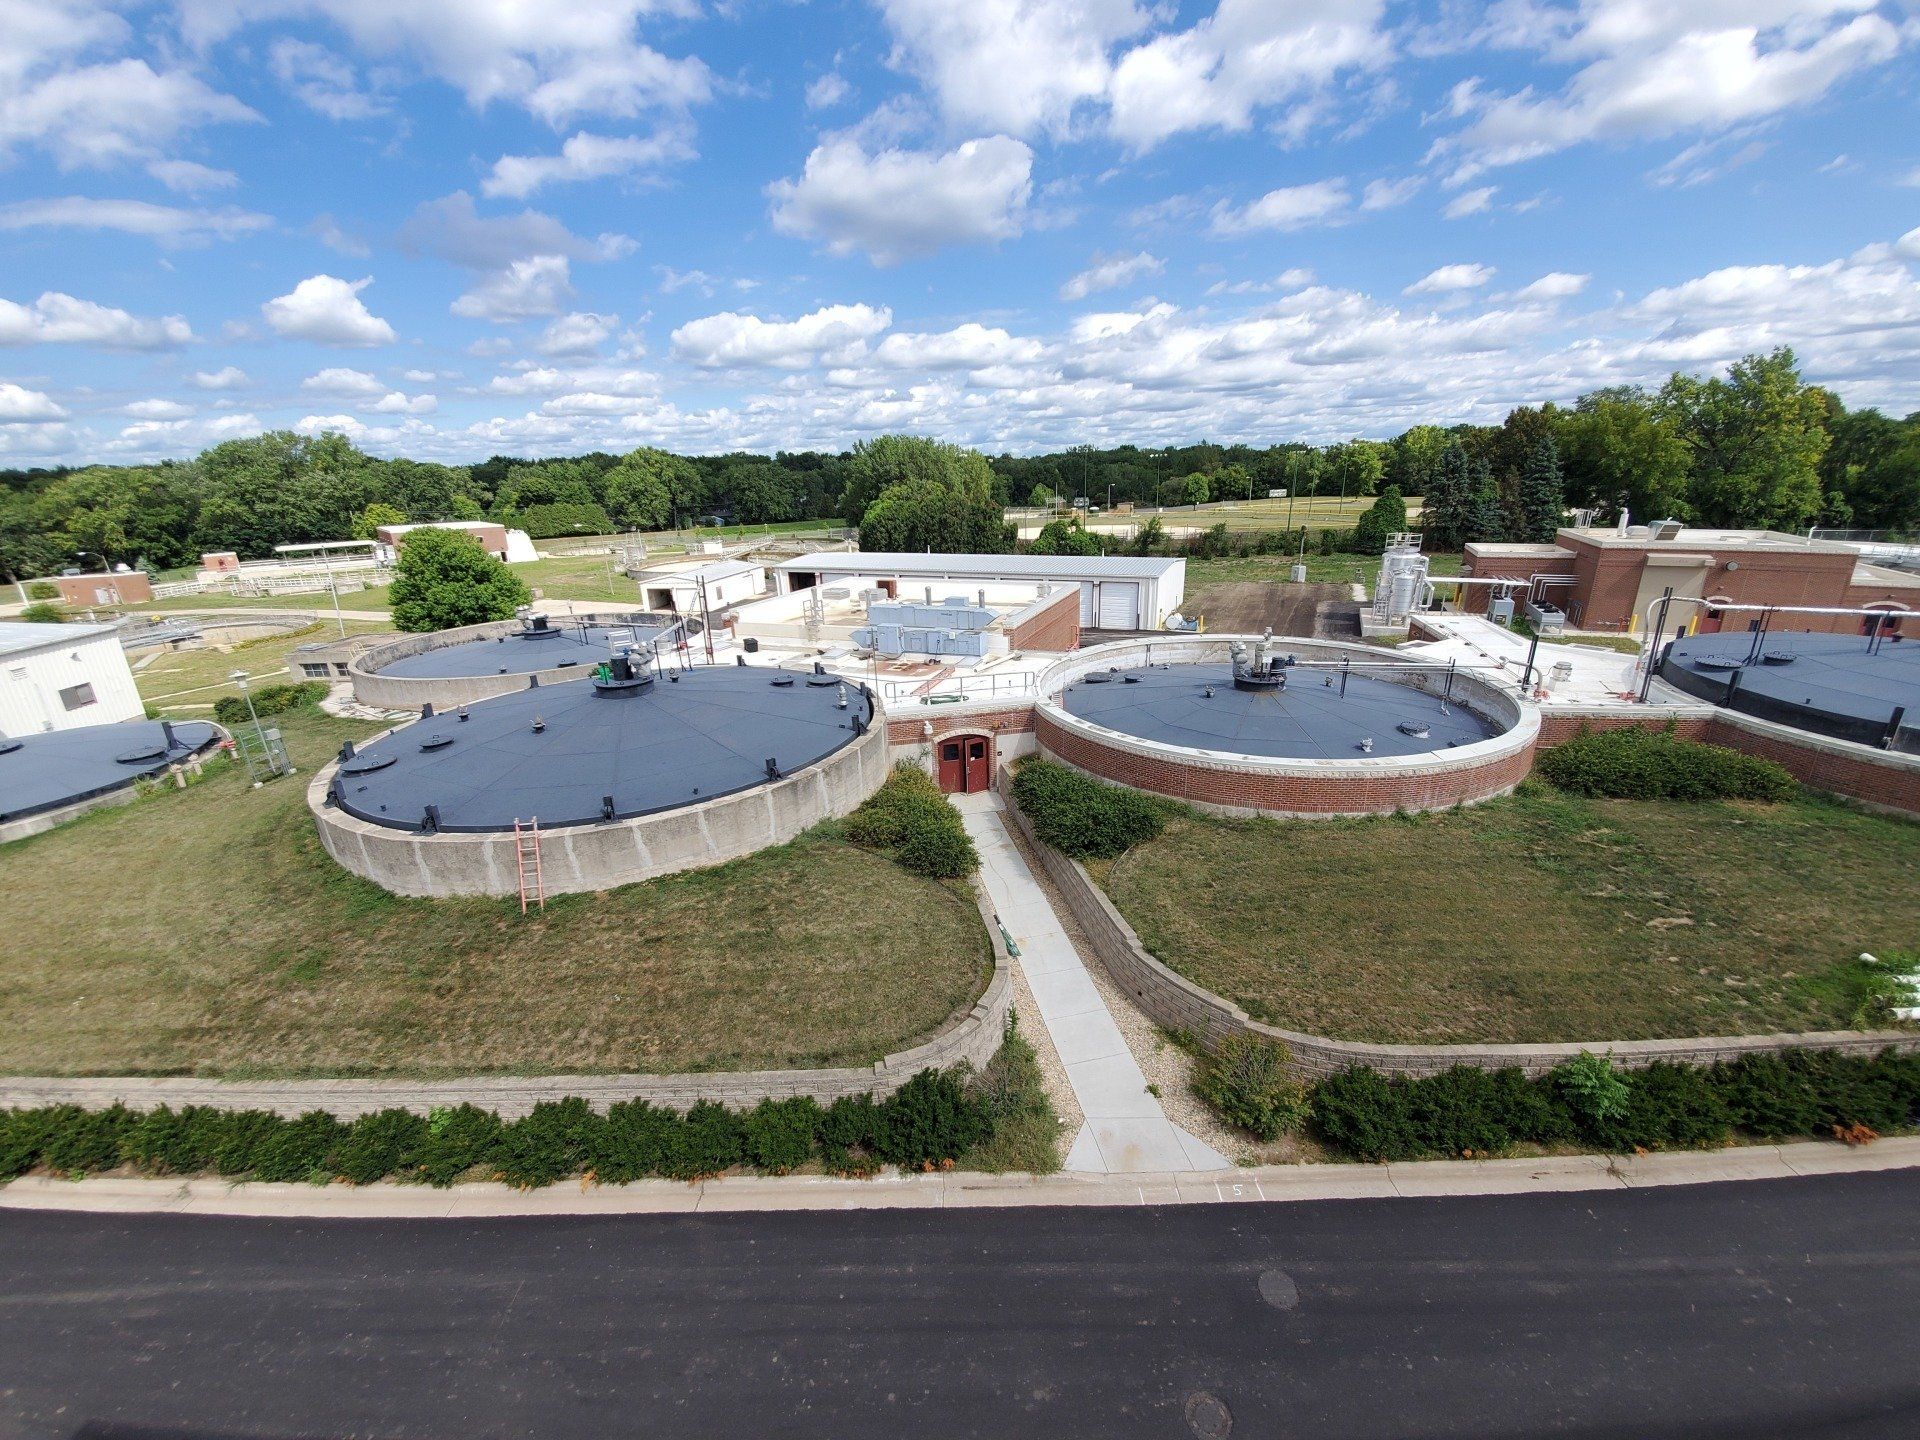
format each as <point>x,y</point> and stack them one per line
<point>1248,784</point>
<point>1176,1003</point>
<point>971,1039</point>
<point>600,856</point>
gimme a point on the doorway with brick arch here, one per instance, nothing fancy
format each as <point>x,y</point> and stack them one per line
<point>963,763</point>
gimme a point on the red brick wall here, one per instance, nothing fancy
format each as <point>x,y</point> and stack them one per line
<point>1055,628</point>
<point>1291,794</point>
<point>906,730</point>
<point>1859,776</point>
<point>84,590</point>
<point>1473,598</point>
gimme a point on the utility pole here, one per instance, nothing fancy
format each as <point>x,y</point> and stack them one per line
<point>706,619</point>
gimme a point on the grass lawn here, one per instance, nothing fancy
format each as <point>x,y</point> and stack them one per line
<point>185,683</point>
<point>1536,917</point>
<point>1321,569</point>
<point>207,932</point>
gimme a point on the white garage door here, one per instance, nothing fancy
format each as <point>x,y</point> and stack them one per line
<point>1119,605</point>
<point>1088,611</point>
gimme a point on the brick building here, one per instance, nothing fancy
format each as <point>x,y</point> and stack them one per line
<point>1606,579</point>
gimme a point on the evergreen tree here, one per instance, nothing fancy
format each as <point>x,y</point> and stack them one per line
<point>1444,518</point>
<point>1386,516</point>
<point>1542,502</point>
<point>1485,520</point>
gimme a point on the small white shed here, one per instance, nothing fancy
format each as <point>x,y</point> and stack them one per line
<point>61,677</point>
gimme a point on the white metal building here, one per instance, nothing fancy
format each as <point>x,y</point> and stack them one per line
<point>1117,592</point>
<point>60,677</point>
<point>723,583</point>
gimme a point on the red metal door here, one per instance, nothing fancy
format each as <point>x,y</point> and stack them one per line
<point>979,770</point>
<point>953,775</point>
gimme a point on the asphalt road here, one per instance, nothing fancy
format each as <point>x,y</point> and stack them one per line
<point>1775,1308</point>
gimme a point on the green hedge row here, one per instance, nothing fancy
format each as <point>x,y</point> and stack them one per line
<point>231,710</point>
<point>1587,1102</point>
<point>1082,817</point>
<point>1636,764</point>
<point>928,1122</point>
<point>909,819</point>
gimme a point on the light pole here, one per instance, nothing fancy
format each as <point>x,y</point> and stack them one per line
<point>333,589</point>
<point>240,678</point>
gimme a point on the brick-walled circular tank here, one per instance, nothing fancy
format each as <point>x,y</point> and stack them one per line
<point>1230,782</point>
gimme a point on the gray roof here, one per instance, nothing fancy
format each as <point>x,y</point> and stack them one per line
<point>685,739</point>
<point>1197,706</point>
<point>60,767</point>
<point>1014,567</point>
<point>18,636</point>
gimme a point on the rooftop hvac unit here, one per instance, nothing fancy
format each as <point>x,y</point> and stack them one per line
<point>1500,610</point>
<point>837,593</point>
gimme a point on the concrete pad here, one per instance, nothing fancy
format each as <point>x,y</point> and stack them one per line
<point>1129,1146</point>
<point>1322,1182</point>
<point>1084,1154</point>
<point>1830,1157</point>
<point>1064,992</point>
<point>1758,1162</point>
<point>746,1192</point>
<point>1091,1036</point>
<point>1200,1155</point>
<point>1502,1177</point>
<point>1113,1089</point>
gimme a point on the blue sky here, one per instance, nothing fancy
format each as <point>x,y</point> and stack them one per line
<point>455,229</point>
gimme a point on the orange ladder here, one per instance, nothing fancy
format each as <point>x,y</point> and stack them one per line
<point>526,847</point>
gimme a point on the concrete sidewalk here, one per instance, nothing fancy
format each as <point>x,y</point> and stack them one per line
<point>1126,1131</point>
<point>957,1190</point>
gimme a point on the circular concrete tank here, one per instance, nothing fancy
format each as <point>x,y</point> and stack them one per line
<point>628,776</point>
<point>1305,727</point>
<point>445,668</point>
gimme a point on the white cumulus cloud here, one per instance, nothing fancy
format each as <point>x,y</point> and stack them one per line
<point>327,311</point>
<point>900,204</point>
<point>536,286</point>
<point>832,333</point>
<point>1110,272</point>
<point>60,319</point>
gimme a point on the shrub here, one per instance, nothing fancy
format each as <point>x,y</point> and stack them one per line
<point>1668,1107</point>
<point>779,1134</point>
<point>1464,1111</point>
<point>295,1150</point>
<point>549,1143</point>
<point>1245,1081</point>
<point>849,1135</point>
<point>1363,1113</point>
<point>43,612</point>
<point>930,1119</point>
<point>75,1141</point>
<point>1591,1088</point>
<point>458,1138</point>
<point>1636,764</point>
<point>710,1140</point>
<point>634,1142</point>
<point>1081,817</point>
<point>377,1145</point>
<point>231,710</point>
<point>908,819</point>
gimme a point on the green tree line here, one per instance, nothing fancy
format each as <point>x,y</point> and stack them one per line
<point>1757,446</point>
